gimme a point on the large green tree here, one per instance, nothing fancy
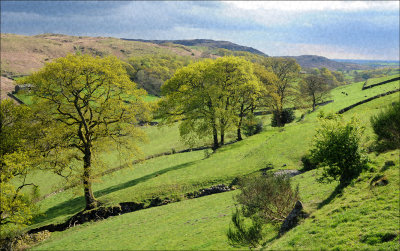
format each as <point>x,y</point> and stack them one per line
<point>18,156</point>
<point>281,86</point>
<point>209,97</point>
<point>87,104</point>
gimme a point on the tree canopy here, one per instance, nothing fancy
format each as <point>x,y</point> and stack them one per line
<point>87,104</point>
<point>18,156</point>
<point>209,97</point>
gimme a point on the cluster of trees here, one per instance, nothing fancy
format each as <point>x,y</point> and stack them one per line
<point>213,97</point>
<point>359,76</point>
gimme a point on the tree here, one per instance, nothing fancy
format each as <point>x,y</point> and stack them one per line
<point>313,88</point>
<point>336,148</point>
<point>17,159</point>
<point>87,103</point>
<point>240,91</point>
<point>208,97</point>
<point>286,71</point>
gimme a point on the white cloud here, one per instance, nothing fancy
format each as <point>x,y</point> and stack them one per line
<point>303,6</point>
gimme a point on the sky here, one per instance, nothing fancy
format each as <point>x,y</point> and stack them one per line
<point>337,30</point>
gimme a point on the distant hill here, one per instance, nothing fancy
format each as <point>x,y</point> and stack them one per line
<point>313,61</point>
<point>205,43</point>
<point>21,55</point>
<point>372,63</point>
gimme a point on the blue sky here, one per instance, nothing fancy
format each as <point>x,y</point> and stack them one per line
<point>346,30</point>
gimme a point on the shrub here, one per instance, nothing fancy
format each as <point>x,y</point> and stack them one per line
<point>252,126</point>
<point>308,163</point>
<point>337,149</point>
<point>386,126</point>
<point>287,116</point>
<point>263,199</point>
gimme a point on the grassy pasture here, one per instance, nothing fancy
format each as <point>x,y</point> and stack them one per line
<point>174,175</point>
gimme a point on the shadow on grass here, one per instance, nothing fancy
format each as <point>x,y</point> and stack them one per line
<point>141,179</point>
<point>336,193</point>
<point>76,205</point>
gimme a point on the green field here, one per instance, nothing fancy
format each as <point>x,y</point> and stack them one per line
<point>356,220</point>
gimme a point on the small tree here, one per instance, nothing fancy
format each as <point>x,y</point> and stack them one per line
<point>337,149</point>
<point>87,104</point>
<point>263,199</point>
<point>313,89</point>
<point>386,126</point>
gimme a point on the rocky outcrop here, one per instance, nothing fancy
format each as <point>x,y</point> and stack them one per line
<point>293,218</point>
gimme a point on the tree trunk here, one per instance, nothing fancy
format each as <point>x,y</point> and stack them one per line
<point>278,116</point>
<point>239,133</point>
<point>90,200</point>
<point>215,135</point>
<point>313,103</point>
<point>222,137</point>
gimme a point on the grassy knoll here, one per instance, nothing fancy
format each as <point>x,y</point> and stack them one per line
<point>373,81</point>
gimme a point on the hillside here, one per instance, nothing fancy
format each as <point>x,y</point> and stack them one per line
<point>20,55</point>
<point>204,43</point>
<point>313,61</point>
<point>366,216</point>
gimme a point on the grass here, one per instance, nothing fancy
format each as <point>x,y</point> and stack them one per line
<point>363,217</point>
<point>191,224</point>
<point>174,175</point>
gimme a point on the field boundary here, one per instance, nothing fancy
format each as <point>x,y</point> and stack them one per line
<point>366,100</point>
<point>380,83</point>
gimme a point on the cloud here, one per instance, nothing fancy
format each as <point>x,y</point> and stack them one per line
<point>303,6</point>
<point>276,28</point>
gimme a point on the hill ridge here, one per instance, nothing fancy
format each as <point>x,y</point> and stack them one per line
<point>204,42</point>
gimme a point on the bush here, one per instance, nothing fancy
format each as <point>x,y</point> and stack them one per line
<point>386,126</point>
<point>263,199</point>
<point>308,163</point>
<point>337,149</point>
<point>252,126</point>
<point>287,116</point>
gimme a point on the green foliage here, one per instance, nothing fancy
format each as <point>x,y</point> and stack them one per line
<point>285,117</point>
<point>336,147</point>
<point>278,78</point>
<point>270,197</point>
<point>308,163</point>
<point>17,159</point>
<point>86,104</point>
<point>240,235</point>
<point>252,126</point>
<point>386,126</point>
<point>263,199</point>
<point>151,71</point>
<point>210,96</point>
<point>313,89</point>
